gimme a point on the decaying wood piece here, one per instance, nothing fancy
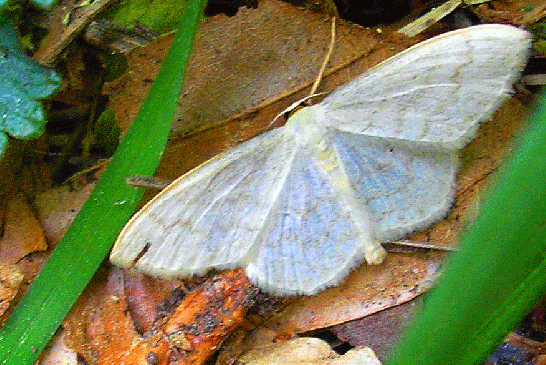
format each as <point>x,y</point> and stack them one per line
<point>105,334</point>
<point>202,321</point>
<point>65,31</point>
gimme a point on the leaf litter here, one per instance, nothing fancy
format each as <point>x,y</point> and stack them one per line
<point>242,107</point>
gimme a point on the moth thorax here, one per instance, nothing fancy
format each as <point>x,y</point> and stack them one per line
<point>306,127</point>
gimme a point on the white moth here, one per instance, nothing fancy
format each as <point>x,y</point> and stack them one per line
<point>299,206</point>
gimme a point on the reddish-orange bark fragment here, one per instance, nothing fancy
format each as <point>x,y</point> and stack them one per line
<point>198,325</point>
<point>204,319</point>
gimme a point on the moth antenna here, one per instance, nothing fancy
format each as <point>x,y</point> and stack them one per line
<point>292,107</point>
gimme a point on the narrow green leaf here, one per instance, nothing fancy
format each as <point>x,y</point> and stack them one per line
<point>499,273</point>
<point>112,202</point>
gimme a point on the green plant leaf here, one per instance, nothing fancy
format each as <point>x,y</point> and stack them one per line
<point>498,274</point>
<point>93,231</point>
<point>22,84</point>
<point>107,131</point>
<point>44,3</point>
<point>162,16</point>
<point>40,3</point>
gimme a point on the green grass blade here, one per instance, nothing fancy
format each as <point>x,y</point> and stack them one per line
<point>499,273</point>
<point>89,238</point>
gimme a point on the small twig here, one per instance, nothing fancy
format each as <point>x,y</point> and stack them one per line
<point>60,36</point>
<point>292,107</point>
<point>534,80</point>
<point>538,13</point>
<point>430,18</point>
<point>142,181</point>
<point>391,246</point>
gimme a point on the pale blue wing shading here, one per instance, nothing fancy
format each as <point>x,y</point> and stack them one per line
<point>435,92</point>
<point>310,240</point>
<point>404,188</point>
<point>300,206</point>
<point>210,217</point>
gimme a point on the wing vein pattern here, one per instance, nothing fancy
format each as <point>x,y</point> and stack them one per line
<point>301,205</point>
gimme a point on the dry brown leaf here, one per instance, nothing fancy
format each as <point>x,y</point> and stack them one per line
<point>26,242</point>
<point>379,331</point>
<point>239,63</point>
<point>58,353</point>
<point>400,278</point>
<point>184,154</point>
<point>149,298</point>
<point>10,282</point>
<point>512,12</point>
<point>22,231</point>
<point>297,350</point>
<point>105,312</point>
<point>58,207</point>
<point>305,351</point>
